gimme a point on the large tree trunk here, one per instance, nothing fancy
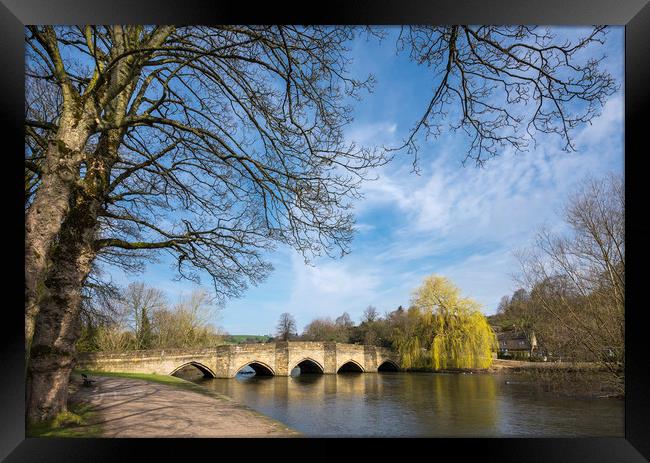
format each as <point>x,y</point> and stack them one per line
<point>46,214</point>
<point>56,329</point>
<point>52,353</point>
<point>61,225</point>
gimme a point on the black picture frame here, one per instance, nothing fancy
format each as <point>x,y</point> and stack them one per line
<point>633,14</point>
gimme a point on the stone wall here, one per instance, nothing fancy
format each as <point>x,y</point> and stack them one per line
<point>387,355</point>
<point>159,362</point>
<point>225,361</point>
<point>352,353</point>
<point>313,351</point>
<point>266,355</point>
<point>330,354</point>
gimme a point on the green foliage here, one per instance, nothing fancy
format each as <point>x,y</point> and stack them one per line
<point>246,338</point>
<point>440,330</point>
<point>87,341</point>
<point>67,418</point>
<point>146,335</point>
<point>74,422</point>
<point>444,330</point>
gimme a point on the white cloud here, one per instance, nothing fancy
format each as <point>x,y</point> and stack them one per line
<point>376,133</point>
<point>508,195</point>
<point>607,128</point>
<point>330,288</point>
<point>484,277</point>
<point>364,227</point>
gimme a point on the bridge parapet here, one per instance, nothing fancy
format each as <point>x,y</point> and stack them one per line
<point>159,361</point>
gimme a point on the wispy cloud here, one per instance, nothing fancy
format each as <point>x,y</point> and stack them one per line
<point>374,133</point>
<point>330,288</point>
<point>460,222</point>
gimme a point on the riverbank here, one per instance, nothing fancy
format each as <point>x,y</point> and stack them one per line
<point>514,366</point>
<point>127,405</point>
<point>499,365</point>
<point>562,379</point>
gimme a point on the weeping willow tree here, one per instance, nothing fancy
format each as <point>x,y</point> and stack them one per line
<point>444,330</point>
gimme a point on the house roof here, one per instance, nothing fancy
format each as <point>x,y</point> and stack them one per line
<point>512,340</point>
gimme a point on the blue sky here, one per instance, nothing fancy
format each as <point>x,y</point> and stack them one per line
<point>462,222</point>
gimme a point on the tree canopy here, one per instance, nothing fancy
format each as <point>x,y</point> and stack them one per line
<point>444,329</point>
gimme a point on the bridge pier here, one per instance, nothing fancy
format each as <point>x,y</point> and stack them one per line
<point>370,359</point>
<point>329,353</point>
<point>282,359</point>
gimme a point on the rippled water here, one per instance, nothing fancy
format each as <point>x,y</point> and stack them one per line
<point>421,404</point>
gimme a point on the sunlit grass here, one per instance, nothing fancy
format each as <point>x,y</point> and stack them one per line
<point>177,383</point>
<point>76,421</point>
<point>161,379</point>
<point>73,423</point>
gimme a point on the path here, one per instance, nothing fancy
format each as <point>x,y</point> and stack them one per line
<point>135,408</point>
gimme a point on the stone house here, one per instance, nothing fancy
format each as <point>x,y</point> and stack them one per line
<point>515,344</point>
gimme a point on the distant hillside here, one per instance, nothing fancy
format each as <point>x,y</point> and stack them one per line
<point>246,338</point>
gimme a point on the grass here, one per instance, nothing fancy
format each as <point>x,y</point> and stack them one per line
<point>243,338</point>
<point>180,384</point>
<point>73,423</point>
<point>76,421</point>
<point>161,379</point>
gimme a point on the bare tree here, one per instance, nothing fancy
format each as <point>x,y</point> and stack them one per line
<point>344,320</point>
<point>504,303</point>
<point>142,319</point>
<point>101,306</point>
<point>370,314</point>
<point>286,327</point>
<point>214,144</point>
<point>502,85</point>
<point>113,338</point>
<point>326,329</point>
<point>186,324</point>
<point>140,302</point>
<point>370,326</point>
<point>579,279</point>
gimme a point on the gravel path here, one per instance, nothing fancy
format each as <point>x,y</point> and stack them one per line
<point>135,408</point>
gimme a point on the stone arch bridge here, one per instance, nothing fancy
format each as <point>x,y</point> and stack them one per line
<point>277,359</point>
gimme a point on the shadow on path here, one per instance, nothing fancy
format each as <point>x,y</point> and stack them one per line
<point>127,407</point>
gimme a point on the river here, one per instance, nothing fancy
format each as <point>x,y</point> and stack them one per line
<point>421,405</point>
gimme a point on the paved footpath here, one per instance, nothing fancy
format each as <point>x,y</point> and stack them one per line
<point>127,407</point>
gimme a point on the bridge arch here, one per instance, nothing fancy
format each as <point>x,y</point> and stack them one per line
<point>350,366</point>
<point>207,372</point>
<point>388,365</point>
<point>260,368</point>
<point>308,365</point>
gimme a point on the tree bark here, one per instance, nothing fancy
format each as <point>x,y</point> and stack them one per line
<point>61,223</point>
<point>52,353</point>
<point>46,214</point>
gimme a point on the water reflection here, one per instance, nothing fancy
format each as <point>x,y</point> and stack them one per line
<point>419,404</point>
